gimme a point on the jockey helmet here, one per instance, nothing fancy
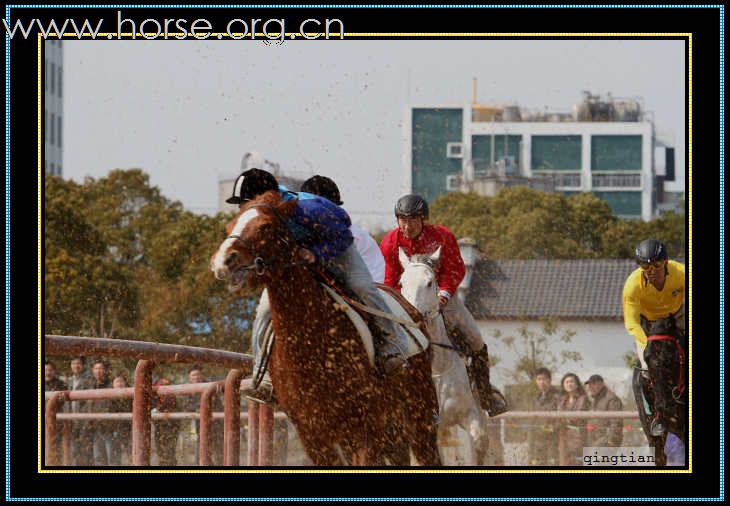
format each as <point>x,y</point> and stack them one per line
<point>412,205</point>
<point>252,183</point>
<point>649,251</point>
<point>324,187</point>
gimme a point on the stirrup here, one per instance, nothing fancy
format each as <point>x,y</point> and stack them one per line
<point>657,427</point>
<point>264,394</point>
<point>498,407</point>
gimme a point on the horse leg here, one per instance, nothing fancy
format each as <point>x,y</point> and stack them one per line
<point>422,411</point>
<point>319,450</point>
<point>660,457</point>
<point>479,438</point>
<point>396,450</point>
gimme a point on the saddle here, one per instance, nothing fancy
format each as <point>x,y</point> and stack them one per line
<point>411,333</point>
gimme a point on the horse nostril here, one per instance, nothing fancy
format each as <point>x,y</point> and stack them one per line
<point>230,258</point>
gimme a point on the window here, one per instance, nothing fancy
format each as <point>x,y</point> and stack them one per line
<point>53,122</point>
<point>60,80</point>
<point>624,203</point>
<point>53,76</point>
<point>46,73</point>
<point>59,131</point>
<point>615,152</point>
<point>52,168</point>
<point>505,147</point>
<point>556,152</point>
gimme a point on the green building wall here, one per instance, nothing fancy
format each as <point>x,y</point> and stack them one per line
<point>431,130</point>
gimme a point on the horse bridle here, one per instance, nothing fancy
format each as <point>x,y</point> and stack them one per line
<point>260,265</point>
<point>429,317</point>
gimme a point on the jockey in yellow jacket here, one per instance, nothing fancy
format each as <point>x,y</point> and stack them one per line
<point>653,292</point>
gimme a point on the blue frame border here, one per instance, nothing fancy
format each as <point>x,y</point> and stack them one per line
<point>393,499</point>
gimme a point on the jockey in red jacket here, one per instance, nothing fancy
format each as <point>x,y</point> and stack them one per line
<point>417,237</point>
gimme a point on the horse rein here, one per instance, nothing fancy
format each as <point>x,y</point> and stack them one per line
<point>260,265</point>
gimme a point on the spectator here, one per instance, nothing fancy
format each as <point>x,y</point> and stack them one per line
<point>122,433</point>
<point>82,439</point>
<point>216,430</point>
<point>543,438</point>
<point>166,431</point>
<point>52,382</point>
<point>102,430</point>
<point>573,431</point>
<point>606,432</point>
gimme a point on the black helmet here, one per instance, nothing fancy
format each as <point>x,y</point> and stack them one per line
<point>412,205</point>
<point>252,183</point>
<point>322,186</point>
<point>649,251</point>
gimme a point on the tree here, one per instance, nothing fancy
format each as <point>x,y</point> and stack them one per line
<point>123,261</point>
<point>84,291</point>
<point>535,349</point>
<point>521,223</point>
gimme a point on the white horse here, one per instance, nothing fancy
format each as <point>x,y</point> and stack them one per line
<point>458,406</point>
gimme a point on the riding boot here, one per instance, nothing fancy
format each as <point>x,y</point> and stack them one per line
<point>490,398</point>
<point>263,390</point>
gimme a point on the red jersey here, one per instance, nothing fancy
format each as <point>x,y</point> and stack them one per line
<point>451,269</point>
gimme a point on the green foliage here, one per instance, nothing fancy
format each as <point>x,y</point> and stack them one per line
<point>536,349</point>
<point>631,360</point>
<point>123,261</point>
<point>521,223</point>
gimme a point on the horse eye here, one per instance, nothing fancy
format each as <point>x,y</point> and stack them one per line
<point>430,284</point>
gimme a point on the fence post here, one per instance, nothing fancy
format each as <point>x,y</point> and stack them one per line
<point>66,443</point>
<point>266,434</point>
<point>253,433</point>
<point>562,452</point>
<point>51,432</point>
<point>232,418</point>
<point>142,413</point>
<point>206,419</point>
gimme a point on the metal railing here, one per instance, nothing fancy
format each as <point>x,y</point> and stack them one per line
<point>147,354</point>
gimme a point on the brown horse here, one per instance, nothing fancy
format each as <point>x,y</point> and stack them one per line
<point>342,408</point>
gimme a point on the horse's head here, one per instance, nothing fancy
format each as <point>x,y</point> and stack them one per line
<point>258,240</point>
<point>419,283</point>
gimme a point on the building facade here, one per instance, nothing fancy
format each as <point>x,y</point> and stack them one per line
<point>610,151</point>
<point>53,107</point>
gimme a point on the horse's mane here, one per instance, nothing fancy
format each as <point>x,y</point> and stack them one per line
<point>426,259</point>
<point>271,197</point>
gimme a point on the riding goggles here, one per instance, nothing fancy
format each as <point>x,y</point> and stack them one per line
<point>656,264</point>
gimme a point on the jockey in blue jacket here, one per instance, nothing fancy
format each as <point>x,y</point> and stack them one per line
<point>321,229</point>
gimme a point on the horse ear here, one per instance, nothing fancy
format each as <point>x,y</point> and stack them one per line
<point>404,260</point>
<point>286,207</point>
<point>436,254</point>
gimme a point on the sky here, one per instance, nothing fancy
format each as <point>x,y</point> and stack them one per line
<point>187,111</point>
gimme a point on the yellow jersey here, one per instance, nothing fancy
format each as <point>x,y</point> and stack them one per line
<point>641,298</point>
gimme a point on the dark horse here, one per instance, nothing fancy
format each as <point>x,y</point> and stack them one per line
<point>664,393</point>
<point>341,407</point>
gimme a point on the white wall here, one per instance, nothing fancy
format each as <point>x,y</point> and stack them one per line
<point>602,345</point>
